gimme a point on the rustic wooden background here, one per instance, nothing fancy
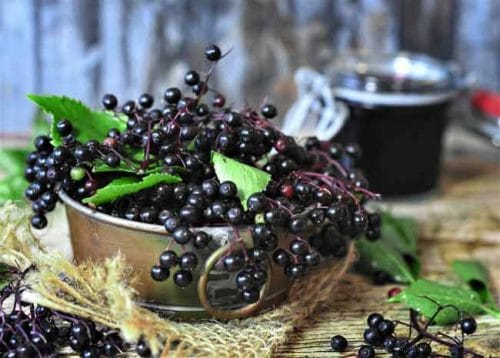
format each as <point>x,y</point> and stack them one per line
<point>86,48</point>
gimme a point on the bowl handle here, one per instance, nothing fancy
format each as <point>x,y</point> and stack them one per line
<point>244,311</point>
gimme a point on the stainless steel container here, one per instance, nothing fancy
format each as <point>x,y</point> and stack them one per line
<point>97,236</point>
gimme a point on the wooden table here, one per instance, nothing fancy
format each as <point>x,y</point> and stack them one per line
<point>461,220</point>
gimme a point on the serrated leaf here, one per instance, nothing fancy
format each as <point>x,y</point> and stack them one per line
<point>426,296</point>
<point>248,179</point>
<point>394,252</point>
<point>128,185</point>
<point>475,275</point>
<point>87,124</point>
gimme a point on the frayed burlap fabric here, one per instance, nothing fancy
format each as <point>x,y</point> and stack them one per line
<point>103,294</point>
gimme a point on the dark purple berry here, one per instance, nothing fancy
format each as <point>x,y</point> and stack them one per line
<point>146,100</point>
<point>338,343</point>
<point>168,259</point>
<point>109,101</point>
<point>269,111</point>
<point>183,278</point>
<point>233,263</point>
<point>172,95</point>
<point>371,336</point>
<point>64,127</point>
<point>38,221</point>
<point>213,53</point>
<point>374,319</point>
<point>191,78</point>
<point>468,325</point>
<point>188,261</point>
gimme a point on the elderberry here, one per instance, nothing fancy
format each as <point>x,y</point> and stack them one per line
<point>213,53</point>
<point>109,101</point>
<point>183,278</point>
<point>468,325</point>
<point>269,111</point>
<point>338,343</point>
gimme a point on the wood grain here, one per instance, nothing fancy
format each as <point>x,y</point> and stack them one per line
<point>84,49</point>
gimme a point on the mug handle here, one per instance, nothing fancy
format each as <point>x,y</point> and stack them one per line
<point>241,312</point>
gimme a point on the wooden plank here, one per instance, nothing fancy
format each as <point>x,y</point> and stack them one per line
<point>86,48</point>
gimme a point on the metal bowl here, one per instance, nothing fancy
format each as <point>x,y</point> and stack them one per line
<point>98,236</point>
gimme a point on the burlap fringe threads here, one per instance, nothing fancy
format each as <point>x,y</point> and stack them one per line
<point>103,293</point>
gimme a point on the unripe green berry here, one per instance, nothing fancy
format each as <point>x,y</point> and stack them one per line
<point>77,173</point>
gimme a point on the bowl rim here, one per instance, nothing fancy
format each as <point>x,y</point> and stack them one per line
<point>130,224</point>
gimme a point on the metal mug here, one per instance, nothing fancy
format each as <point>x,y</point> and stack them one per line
<point>97,236</point>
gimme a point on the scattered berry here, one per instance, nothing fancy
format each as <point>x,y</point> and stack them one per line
<point>338,343</point>
<point>468,325</point>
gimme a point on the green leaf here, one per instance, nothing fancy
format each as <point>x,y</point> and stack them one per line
<point>5,190</point>
<point>248,179</point>
<point>87,124</point>
<point>12,188</point>
<point>475,275</point>
<point>425,297</point>
<point>379,257</point>
<point>128,185</point>
<point>405,228</point>
<point>394,252</point>
<point>12,161</point>
<point>138,155</point>
<point>191,146</point>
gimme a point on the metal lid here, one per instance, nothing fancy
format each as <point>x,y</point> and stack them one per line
<point>401,79</point>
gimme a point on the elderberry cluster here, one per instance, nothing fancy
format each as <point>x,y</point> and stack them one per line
<point>28,330</point>
<point>380,333</point>
<point>315,196</point>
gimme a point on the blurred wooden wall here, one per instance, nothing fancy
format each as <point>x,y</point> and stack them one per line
<point>86,48</point>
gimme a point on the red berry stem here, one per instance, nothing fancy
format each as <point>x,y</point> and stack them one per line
<point>280,205</point>
<point>145,162</point>
<point>335,163</point>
